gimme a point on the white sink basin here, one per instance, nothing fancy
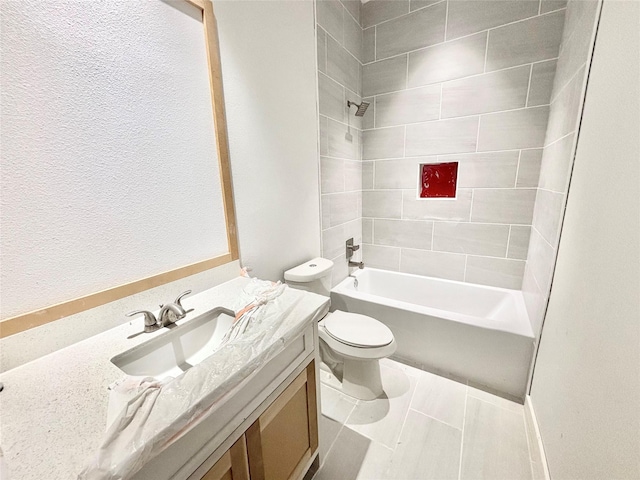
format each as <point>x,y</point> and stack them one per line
<point>179,348</point>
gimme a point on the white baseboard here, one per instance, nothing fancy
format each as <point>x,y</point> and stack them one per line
<point>535,440</point>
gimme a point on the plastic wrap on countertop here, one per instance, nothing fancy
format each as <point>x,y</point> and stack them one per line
<point>268,315</point>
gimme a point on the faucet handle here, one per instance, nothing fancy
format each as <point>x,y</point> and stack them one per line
<point>179,299</point>
<point>149,319</point>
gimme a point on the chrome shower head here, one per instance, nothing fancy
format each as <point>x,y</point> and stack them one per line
<point>361,108</point>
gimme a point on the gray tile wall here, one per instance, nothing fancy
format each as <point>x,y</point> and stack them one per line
<point>557,157</point>
<point>340,55</point>
<point>466,81</point>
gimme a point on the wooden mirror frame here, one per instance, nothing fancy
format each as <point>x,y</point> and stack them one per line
<point>23,322</point>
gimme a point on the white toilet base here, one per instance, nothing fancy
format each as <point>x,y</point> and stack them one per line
<point>361,379</point>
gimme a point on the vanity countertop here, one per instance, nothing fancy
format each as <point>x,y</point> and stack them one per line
<point>53,410</point>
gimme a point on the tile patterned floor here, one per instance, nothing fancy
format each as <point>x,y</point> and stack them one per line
<point>425,427</point>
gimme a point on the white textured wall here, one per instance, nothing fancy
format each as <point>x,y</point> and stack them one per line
<point>586,384</point>
<point>268,64</point>
<point>108,170</point>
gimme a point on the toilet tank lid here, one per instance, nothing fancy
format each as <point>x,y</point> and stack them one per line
<point>309,271</point>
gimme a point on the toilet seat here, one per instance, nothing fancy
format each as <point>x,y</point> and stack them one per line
<point>357,330</point>
<point>353,351</point>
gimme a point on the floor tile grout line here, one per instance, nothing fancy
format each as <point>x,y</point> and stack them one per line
<point>343,425</point>
<point>436,419</point>
<point>406,414</point>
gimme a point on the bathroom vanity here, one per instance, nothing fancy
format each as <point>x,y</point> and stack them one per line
<point>54,409</point>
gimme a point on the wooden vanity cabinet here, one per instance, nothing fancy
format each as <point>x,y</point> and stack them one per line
<point>281,442</point>
<point>232,465</point>
<point>285,437</point>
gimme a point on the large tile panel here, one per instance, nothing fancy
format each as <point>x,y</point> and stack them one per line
<point>471,238</point>
<point>353,7</point>
<point>524,42</point>
<point>408,106</point>
<point>399,173</point>
<point>496,272</point>
<point>563,117</point>
<point>382,203</point>
<point>330,15</point>
<point>510,206</point>
<point>331,98</point>
<point>368,44</point>
<point>519,242</point>
<point>384,76</point>
<point>376,256</point>
<point>367,175</point>
<point>419,29</point>
<point>575,49</point>
<point>342,142</point>
<point>458,209</point>
<point>338,208</point>
<point>402,233</point>
<point>542,75</point>
<point>433,264</point>
<point>578,11</point>
<point>383,143</point>
<point>458,135</point>
<point>416,4</point>
<point>551,5</point>
<point>529,168</point>
<point>427,450</point>
<point>447,61</point>
<point>376,11</point>
<point>366,458</point>
<point>494,444</point>
<point>484,170</point>
<point>541,259</point>
<point>471,16</point>
<point>353,37</point>
<point>524,128</point>
<point>343,67</point>
<point>352,175</point>
<point>440,398</point>
<point>556,165</point>
<point>490,92</point>
<point>367,230</point>
<point>548,215</point>
<point>331,175</point>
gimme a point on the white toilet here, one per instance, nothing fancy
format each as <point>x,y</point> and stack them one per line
<point>351,344</point>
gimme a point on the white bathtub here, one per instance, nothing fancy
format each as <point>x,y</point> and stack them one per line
<point>469,332</point>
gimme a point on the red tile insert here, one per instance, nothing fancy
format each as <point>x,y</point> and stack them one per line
<point>438,180</point>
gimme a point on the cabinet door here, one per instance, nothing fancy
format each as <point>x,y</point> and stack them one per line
<point>232,465</point>
<point>285,437</point>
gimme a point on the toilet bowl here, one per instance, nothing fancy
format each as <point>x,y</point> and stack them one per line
<point>351,344</point>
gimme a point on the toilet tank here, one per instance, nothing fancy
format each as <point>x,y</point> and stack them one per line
<point>312,276</point>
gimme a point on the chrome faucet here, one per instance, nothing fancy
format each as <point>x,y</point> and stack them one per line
<point>350,249</point>
<point>169,313</point>
<point>150,322</point>
<point>172,312</point>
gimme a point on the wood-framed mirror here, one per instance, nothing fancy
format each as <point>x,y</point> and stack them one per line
<point>115,160</point>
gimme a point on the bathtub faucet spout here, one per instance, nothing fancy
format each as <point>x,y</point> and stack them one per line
<point>356,264</point>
